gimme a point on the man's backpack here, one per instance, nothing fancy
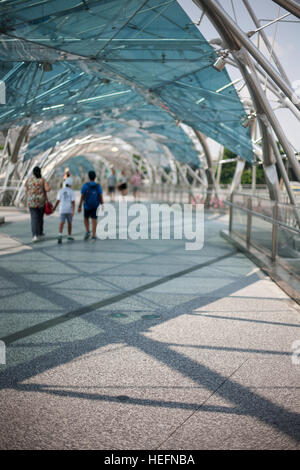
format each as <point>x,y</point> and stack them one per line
<point>92,196</point>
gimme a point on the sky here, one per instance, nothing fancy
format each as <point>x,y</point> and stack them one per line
<point>284,35</point>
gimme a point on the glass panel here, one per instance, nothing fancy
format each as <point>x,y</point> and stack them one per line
<point>261,234</point>
<point>239,223</point>
<point>289,249</point>
<point>107,61</point>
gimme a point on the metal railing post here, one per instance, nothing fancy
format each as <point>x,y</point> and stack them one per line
<point>249,221</point>
<point>230,212</point>
<point>274,231</point>
<point>181,195</point>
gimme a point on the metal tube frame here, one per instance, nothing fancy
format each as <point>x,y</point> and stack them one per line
<point>266,41</point>
<point>210,172</point>
<point>289,5</point>
<point>227,30</point>
<point>241,39</point>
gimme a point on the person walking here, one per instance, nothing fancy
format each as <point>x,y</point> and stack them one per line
<point>123,186</point>
<point>67,174</point>
<point>66,198</point>
<point>36,188</point>
<point>112,181</point>
<point>136,182</point>
<point>92,197</point>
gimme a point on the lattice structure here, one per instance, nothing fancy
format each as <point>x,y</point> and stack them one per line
<point>80,74</point>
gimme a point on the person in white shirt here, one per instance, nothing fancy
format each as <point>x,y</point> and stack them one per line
<point>66,198</point>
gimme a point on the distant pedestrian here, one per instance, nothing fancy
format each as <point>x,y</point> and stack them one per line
<point>123,186</point>
<point>112,181</point>
<point>136,182</point>
<point>67,174</point>
<point>36,188</point>
<point>66,198</point>
<point>92,197</point>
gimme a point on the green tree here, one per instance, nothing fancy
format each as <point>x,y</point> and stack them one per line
<point>229,168</point>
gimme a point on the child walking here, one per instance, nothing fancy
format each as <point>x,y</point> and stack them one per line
<point>66,198</point>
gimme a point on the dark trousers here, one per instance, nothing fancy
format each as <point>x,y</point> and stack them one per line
<point>37,220</point>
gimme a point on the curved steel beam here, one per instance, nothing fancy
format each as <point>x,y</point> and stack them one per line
<point>289,5</point>
<point>237,38</point>
<point>266,41</point>
<point>271,86</point>
<point>265,110</point>
<point>247,68</point>
<point>210,172</point>
<point>236,179</point>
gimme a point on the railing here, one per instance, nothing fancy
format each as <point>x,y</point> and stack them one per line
<point>185,194</point>
<point>163,191</point>
<point>269,226</point>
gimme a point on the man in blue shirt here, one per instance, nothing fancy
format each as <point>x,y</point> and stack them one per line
<point>92,197</point>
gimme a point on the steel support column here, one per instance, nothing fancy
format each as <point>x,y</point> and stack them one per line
<point>238,38</point>
<point>210,172</point>
<point>264,111</point>
<point>236,179</point>
<point>266,41</point>
<point>289,5</point>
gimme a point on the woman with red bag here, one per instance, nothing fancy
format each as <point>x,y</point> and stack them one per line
<point>37,188</point>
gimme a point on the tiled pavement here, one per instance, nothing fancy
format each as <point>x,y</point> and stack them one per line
<point>122,344</point>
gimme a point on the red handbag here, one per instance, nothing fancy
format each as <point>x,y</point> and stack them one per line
<point>48,205</point>
<point>48,208</point>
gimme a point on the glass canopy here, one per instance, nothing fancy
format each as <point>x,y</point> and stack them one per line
<point>138,65</point>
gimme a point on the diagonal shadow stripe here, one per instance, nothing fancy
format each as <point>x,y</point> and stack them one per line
<point>249,320</point>
<point>111,300</point>
<point>228,349</point>
<point>238,394</point>
<point>66,392</point>
<point>66,352</point>
<point>249,404</point>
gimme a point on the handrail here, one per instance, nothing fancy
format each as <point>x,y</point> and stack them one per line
<point>249,194</point>
<point>262,216</point>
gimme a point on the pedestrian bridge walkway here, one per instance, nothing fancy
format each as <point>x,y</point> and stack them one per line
<point>123,344</point>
